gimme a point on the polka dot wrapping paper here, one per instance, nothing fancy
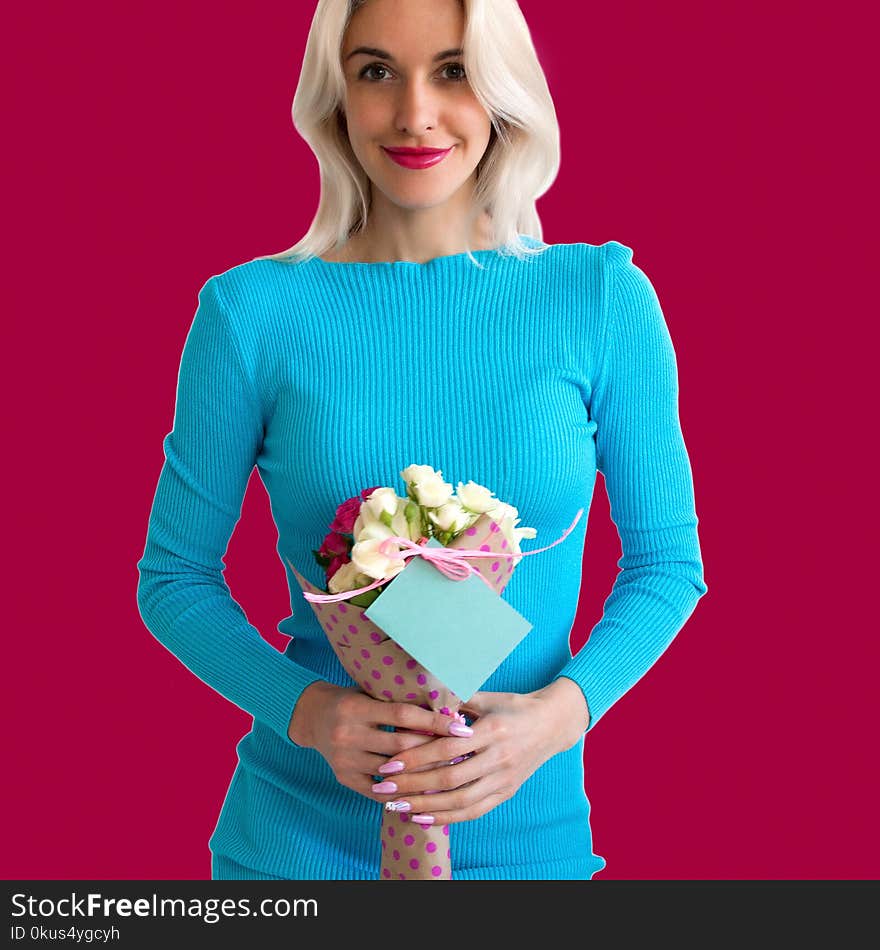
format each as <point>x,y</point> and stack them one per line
<point>385,671</point>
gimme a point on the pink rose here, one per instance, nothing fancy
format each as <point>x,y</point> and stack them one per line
<point>333,545</point>
<point>346,515</point>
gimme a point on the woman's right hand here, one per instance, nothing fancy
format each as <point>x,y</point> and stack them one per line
<point>343,724</point>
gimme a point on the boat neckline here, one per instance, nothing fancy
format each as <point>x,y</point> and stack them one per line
<point>440,259</point>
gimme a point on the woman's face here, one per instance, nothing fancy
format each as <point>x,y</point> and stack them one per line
<point>409,90</point>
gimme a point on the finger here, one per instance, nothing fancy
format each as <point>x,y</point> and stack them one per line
<point>388,744</point>
<point>412,717</point>
<point>415,788</point>
<point>462,804</point>
<point>433,754</point>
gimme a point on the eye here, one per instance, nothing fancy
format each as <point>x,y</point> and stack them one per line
<point>367,70</point>
<point>363,73</point>
<point>458,66</point>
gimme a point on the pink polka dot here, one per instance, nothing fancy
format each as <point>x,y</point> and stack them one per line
<point>510,567</point>
<point>387,694</point>
<point>421,679</point>
<point>504,543</point>
<point>411,695</point>
<point>495,567</point>
<point>403,817</point>
<point>343,608</point>
<point>383,844</point>
<point>399,680</point>
<point>446,830</point>
<point>402,877</point>
<point>375,674</point>
<point>448,853</point>
<point>445,711</point>
<point>494,527</point>
<point>352,628</point>
<point>376,637</point>
<point>387,660</point>
<point>386,872</point>
<point>365,654</point>
<point>367,685</point>
<point>333,618</point>
<point>357,665</point>
<point>414,863</point>
<point>409,840</point>
<point>471,532</point>
<point>395,854</point>
<point>430,847</point>
<point>434,693</point>
<point>410,664</point>
<point>436,870</point>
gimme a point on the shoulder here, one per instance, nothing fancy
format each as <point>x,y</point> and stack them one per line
<point>251,278</point>
<point>588,257</point>
<point>259,292</point>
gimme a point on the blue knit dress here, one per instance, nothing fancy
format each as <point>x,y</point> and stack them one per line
<point>524,375</point>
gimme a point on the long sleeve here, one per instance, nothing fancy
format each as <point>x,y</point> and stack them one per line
<point>641,452</point>
<point>209,456</point>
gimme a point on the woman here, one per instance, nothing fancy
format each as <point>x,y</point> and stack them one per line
<point>422,320</point>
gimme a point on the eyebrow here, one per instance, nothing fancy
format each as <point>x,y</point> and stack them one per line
<point>383,54</point>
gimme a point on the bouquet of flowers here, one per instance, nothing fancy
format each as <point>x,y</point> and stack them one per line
<point>468,535</point>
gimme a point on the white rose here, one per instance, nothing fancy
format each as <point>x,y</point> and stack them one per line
<point>369,559</point>
<point>381,500</point>
<point>475,497</point>
<point>426,486</point>
<point>404,527</point>
<point>348,577</point>
<point>433,492</point>
<point>415,473</point>
<point>507,518</point>
<point>501,510</point>
<point>450,517</point>
<point>367,525</point>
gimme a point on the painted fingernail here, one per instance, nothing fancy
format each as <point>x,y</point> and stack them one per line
<point>457,759</point>
<point>397,806</point>
<point>385,788</point>
<point>389,768</point>
<point>423,819</point>
<point>457,729</point>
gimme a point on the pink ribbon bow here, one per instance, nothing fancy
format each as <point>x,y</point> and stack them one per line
<point>450,561</point>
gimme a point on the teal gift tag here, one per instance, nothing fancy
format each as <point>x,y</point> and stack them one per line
<point>460,631</point>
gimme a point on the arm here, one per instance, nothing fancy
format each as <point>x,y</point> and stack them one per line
<point>209,456</point>
<point>642,456</point>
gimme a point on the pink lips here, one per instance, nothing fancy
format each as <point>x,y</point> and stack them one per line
<point>417,157</point>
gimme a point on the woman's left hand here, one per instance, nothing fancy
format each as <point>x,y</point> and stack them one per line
<point>513,735</point>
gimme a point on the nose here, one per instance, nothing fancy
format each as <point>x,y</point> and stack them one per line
<point>416,107</point>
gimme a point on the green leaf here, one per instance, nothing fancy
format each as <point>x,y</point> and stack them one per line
<point>365,599</point>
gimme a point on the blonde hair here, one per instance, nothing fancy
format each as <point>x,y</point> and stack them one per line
<point>502,68</point>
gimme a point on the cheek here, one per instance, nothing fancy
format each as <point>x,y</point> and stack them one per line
<point>475,121</point>
<point>367,116</point>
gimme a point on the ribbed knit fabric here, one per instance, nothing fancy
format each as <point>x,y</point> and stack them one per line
<point>525,376</point>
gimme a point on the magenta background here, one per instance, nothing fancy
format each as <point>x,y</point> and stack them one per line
<point>150,148</point>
